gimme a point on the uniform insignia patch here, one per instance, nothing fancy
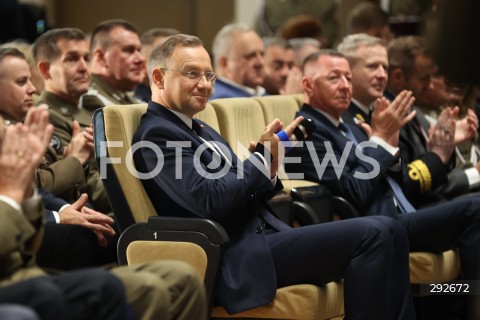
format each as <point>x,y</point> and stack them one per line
<point>55,143</point>
<point>359,118</point>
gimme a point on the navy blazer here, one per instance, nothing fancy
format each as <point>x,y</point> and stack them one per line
<point>371,196</point>
<point>189,185</point>
<point>51,203</point>
<point>223,89</point>
<point>453,181</point>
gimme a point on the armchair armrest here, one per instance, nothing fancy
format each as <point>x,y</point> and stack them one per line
<point>319,199</point>
<point>343,209</point>
<point>207,234</point>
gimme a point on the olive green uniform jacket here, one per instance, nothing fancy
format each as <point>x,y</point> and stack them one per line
<point>21,235</point>
<point>102,94</point>
<point>61,115</point>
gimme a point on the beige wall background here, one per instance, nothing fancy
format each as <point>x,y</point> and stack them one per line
<point>202,18</point>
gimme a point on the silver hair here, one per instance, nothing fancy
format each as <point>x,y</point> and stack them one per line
<point>222,43</point>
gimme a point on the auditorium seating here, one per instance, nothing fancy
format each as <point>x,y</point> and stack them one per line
<point>147,236</point>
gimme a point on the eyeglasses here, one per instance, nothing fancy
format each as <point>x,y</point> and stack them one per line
<point>195,75</point>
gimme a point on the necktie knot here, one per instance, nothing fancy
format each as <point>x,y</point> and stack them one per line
<point>197,127</point>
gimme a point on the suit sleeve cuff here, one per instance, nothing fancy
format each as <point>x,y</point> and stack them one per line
<point>385,145</point>
<point>473,177</point>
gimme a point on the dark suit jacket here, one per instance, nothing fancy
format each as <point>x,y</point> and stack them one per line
<point>223,89</point>
<point>247,278</point>
<point>413,146</point>
<point>355,115</point>
<point>371,196</point>
<point>50,203</point>
<point>424,172</point>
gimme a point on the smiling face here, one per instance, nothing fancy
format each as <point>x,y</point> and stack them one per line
<point>369,73</point>
<point>178,92</point>
<point>328,84</point>
<point>16,87</point>
<point>68,73</point>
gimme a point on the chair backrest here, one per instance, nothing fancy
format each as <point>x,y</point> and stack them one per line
<point>116,125</point>
<point>209,116</point>
<point>281,107</point>
<point>241,120</point>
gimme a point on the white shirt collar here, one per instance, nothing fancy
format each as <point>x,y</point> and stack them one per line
<point>186,119</point>
<point>334,121</point>
<point>362,107</point>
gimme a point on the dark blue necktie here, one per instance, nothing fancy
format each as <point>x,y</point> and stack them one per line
<point>402,202</point>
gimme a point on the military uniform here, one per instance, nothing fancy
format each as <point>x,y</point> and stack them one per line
<point>65,179</point>
<point>61,115</point>
<point>157,290</point>
<point>102,94</point>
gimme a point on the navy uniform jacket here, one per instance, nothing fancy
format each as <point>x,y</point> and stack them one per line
<point>247,277</point>
<point>368,195</point>
<point>425,172</point>
<point>413,146</point>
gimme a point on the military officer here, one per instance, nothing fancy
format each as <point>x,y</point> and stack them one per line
<point>62,56</point>
<point>117,65</point>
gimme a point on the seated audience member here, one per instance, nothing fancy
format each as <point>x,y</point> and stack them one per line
<point>264,253</point>
<point>117,65</point>
<point>238,59</point>
<point>26,49</point>
<point>80,247</point>
<point>150,39</point>
<point>279,60</point>
<point>62,58</point>
<point>368,61</point>
<point>443,93</point>
<point>362,170</point>
<point>368,17</point>
<point>157,290</point>
<point>302,47</point>
<point>411,68</point>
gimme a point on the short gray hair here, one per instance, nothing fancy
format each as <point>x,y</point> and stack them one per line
<point>222,43</point>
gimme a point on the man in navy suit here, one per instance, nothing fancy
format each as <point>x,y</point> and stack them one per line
<point>367,56</point>
<point>428,159</point>
<point>192,172</point>
<point>365,171</point>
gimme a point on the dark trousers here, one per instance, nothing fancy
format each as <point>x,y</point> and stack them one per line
<point>69,247</point>
<point>449,225</point>
<point>89,294</point>
<point>17,312</point>
<point>370,254</point>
